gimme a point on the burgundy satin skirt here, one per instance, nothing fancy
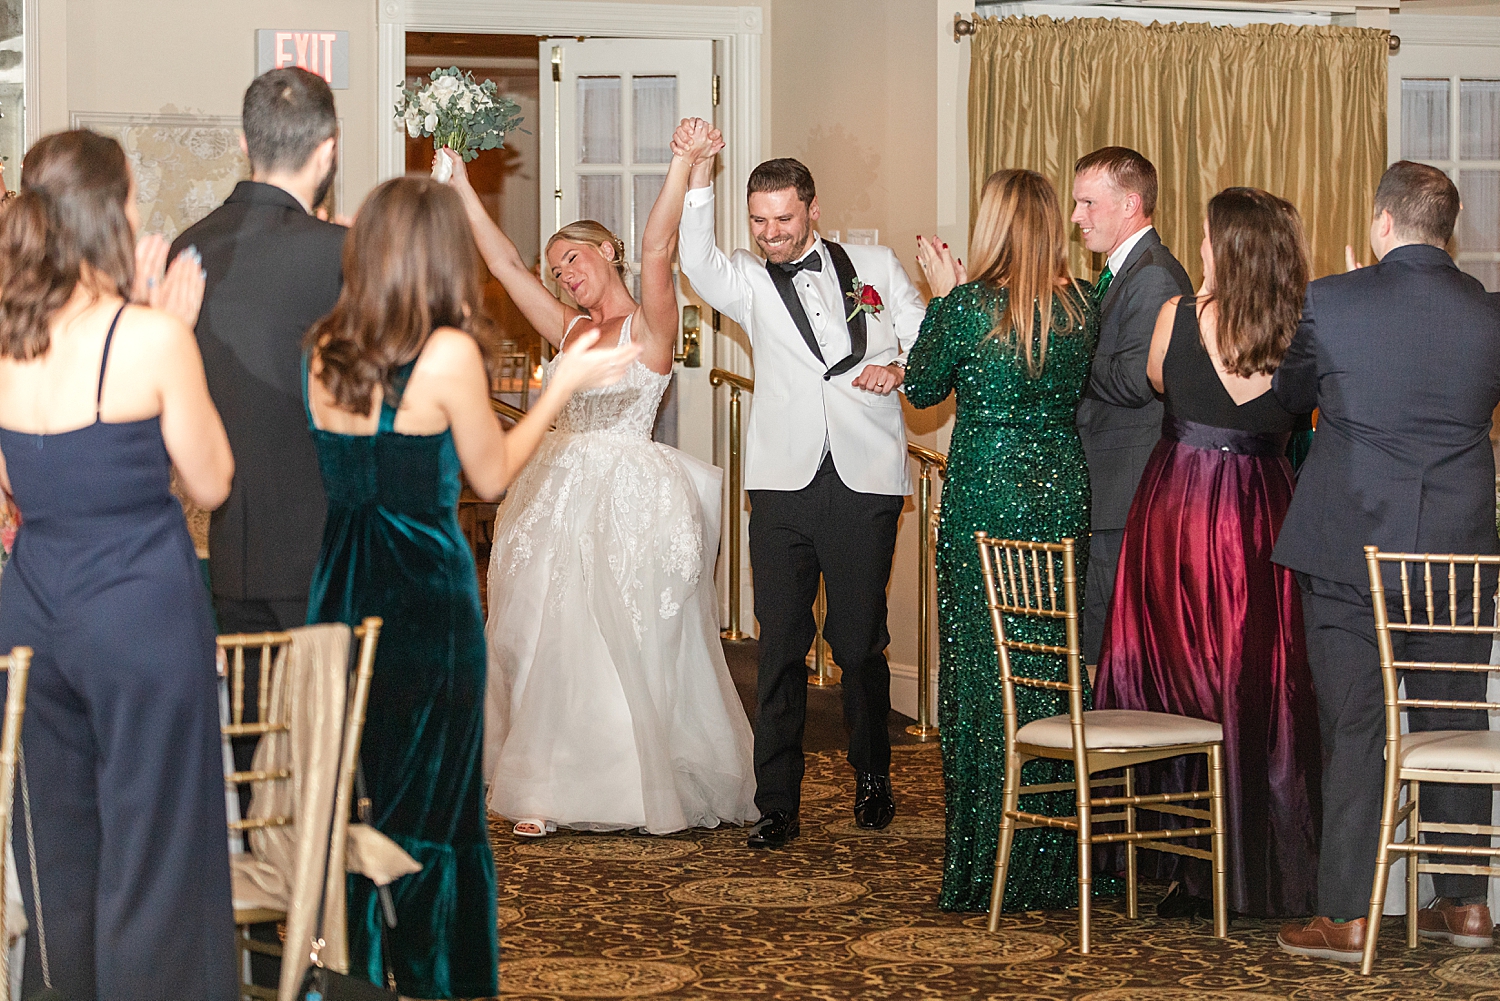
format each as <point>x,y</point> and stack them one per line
<point>1203,624</point>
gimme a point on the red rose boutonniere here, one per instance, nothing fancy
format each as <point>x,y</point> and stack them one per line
<point>865,299</point>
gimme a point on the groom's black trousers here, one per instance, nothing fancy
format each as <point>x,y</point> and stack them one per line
<point>850,538</point>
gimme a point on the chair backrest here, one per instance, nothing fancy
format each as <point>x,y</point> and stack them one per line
<point>16,665</point>
<point>1035,580</point>
<point>1438,592</point>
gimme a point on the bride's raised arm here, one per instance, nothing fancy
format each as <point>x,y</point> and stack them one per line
<point>543,310</point>
<point>659,242</point>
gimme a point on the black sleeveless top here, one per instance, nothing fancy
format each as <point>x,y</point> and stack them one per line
<point>1194,391</point>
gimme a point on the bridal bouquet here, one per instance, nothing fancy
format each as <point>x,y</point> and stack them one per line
<point>457,112</point>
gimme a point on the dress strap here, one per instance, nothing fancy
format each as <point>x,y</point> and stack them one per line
<point>104,361</point>
<point>391,402</point>
<point>307,389</point>
<point>568,330</point>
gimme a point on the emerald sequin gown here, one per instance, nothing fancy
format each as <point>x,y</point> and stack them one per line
<point>1015,470</point>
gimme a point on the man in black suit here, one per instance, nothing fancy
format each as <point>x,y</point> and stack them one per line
<point>1119,418</point>
<point>1402,359</point>
<point>273,270</point>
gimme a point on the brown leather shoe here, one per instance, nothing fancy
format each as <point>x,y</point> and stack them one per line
<point>1468,926</point>
<point>1321,938</point>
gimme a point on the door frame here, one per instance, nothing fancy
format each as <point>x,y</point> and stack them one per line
<point>736,30</point>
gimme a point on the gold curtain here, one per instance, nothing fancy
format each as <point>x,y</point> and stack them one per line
<point>1298,111</point>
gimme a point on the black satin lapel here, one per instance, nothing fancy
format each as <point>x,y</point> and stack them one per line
<point>788,293</point>
<point>858,338</point>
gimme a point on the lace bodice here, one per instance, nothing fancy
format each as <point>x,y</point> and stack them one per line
<point>627,408</point>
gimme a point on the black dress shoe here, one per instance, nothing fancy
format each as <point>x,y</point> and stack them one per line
<point>874,807</point>
<point>1178,903</point>
<point>774,830</point>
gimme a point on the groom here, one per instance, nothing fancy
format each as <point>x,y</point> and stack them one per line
<point>825,466</point>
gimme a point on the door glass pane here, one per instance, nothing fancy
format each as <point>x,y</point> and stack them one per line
<point>12,81</point>
<point>1424,120</point>
<point>1486,271</point>
<point>655,110</point>
<point>1479,220</point>
<point>599,200</point>
<point>1479,119</point>
<point>647,186</point>
<point>598,119</point>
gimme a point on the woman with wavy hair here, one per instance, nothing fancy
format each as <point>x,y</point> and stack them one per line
<point>610,705</point>
<point>1202,623</point>
<point>398,401</point>
<point>1014,345</point>
<point>99,402</point>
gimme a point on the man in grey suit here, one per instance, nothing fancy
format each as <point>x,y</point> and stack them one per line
<point>1402,360</point>
<point>1119,419</point>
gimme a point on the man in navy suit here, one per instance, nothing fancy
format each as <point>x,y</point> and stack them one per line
<point>1402,360</point>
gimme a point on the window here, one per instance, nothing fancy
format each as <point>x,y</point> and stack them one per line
<point>12,85</point>
<point>1453,123</point>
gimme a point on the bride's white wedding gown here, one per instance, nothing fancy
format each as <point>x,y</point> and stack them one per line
<point>610,704</point>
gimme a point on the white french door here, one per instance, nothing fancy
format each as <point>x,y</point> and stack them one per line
<point>607,111</point>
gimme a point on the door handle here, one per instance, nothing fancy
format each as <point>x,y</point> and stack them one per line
<point>692,325</point>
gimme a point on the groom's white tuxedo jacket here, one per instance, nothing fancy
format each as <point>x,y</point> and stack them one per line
<point>796,410</point>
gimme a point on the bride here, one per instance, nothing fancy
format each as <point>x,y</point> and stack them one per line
<point>609,702</point>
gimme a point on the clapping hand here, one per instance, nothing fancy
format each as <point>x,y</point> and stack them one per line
<point>941,269</point>
<point>177,290</point>
<point>582,366</point>
<point>695,140</point>
<point>1351,263</point>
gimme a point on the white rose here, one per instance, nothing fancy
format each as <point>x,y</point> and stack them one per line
<point>426,103</point>
<point>413,122</point>
<point>466,103</point>
<point>430,124</point>
<point>443,88</point>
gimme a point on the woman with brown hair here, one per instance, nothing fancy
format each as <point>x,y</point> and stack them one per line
<point>398,402</point>
<point>610,702</point>
<point>122,773</point>
<point>1202,623</point>
<point>1014,344</point>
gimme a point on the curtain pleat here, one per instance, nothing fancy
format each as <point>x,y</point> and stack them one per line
<point>1299,111</point>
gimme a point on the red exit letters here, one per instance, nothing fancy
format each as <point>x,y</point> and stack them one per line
<point>310,50</point>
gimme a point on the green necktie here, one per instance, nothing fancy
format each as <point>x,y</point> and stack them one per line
<point>1102,287</point>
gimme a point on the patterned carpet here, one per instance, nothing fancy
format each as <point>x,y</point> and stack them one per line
<point>851,914</point>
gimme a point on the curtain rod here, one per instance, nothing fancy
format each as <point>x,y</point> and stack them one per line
<point>963,28</point>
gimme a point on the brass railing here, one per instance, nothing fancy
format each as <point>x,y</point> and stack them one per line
<point>927,512</point>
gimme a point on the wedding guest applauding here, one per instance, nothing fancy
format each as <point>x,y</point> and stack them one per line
<point>1119,420</point>
<point>1202,624</point>
<point>124,782</point>
<point>1014,344</point>
<point>398,400</point>
<point>273,271</point>
<point>1402,360</point>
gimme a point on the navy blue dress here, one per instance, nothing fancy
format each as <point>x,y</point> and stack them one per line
<point>121,733</point>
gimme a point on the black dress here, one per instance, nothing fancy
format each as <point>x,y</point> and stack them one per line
<point>1203,624</point>
<point>121,734</point>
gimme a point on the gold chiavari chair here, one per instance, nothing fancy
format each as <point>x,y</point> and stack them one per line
<point>16,666</point>
<point>269,646</point>
<point>1469,757</point>
<point>1038,580</point>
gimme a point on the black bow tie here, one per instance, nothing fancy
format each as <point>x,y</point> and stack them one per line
<point>812,262</point>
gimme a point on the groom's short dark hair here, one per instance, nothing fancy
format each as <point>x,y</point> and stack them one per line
<point>287,114</point>
<point>1127,170</point>
<point>780,174</point>
<point>1422,201</point>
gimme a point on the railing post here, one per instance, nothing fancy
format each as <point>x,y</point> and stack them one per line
<point>923,729</point>
<point>735,503</point>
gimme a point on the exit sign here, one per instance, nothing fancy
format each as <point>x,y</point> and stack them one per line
<point>325,53</point>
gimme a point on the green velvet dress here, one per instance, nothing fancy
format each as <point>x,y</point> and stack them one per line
<point>1015,470</point>
<point>392,548</point>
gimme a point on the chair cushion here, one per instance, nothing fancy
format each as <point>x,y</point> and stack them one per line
<point>1108,728</point>
<point>1452,750</point>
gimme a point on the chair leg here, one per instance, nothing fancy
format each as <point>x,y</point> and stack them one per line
<point>1220,839</point>
<point>1132,895</point>
<point>1413,860</point>
<point>1010,801</point>
<point>1383,865</point>
<point>1085,882</point>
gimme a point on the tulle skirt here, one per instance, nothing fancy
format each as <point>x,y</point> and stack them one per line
<point>609,702</point>
<point>1203,624</point>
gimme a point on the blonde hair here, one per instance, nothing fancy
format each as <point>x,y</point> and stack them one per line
<point>1019,243</point>
<point>594,234</point>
